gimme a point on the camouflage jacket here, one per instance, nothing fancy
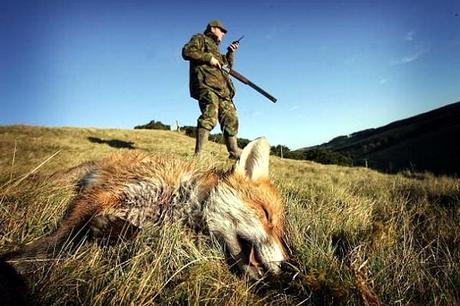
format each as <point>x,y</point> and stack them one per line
<point>203,76</point>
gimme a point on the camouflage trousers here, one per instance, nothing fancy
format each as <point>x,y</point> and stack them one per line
<point>214,108</point>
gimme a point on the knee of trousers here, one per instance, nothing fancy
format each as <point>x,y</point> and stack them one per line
<point>228,119</point>
<point>229,126</point>
<point>206,122</point>
<point>209,107</point>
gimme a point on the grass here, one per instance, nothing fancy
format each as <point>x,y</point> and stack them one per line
<point>356,236</point>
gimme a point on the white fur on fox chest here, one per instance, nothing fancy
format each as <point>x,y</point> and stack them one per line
<point>148,202</point>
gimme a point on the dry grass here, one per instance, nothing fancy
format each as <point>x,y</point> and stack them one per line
<point>356,236</point>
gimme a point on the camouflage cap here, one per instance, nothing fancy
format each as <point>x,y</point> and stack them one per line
<point>217,23</point>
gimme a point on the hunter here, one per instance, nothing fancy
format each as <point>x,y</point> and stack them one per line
<point>212,87</point>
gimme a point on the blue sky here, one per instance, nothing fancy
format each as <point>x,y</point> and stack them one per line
<point>336,67</point>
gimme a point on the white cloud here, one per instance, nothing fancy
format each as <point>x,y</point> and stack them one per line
<point>411,57</point>
<point>410,36</point>
<point>294,107</point>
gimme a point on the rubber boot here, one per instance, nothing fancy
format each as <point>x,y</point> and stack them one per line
<point>201,138</point>
<point>232,147</point>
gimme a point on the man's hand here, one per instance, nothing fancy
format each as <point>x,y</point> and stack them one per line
<point>214,62</point>
<point>233,46</point>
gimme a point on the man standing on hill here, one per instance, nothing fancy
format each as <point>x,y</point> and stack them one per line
<point>211,86</point>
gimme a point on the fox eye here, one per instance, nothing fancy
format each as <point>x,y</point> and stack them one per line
<point>267,215</point>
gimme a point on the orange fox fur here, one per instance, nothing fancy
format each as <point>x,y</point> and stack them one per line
<point>241,207</point>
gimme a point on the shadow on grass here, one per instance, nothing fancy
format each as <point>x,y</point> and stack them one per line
<point>114,143</point>
<point>13,287</point>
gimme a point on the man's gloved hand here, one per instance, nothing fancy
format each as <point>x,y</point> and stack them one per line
<point>233,46</point>
<point>214,62</point>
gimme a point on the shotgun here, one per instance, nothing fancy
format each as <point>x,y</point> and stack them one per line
<point>244,80</point>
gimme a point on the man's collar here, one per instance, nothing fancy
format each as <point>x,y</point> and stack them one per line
<point>213,37</point>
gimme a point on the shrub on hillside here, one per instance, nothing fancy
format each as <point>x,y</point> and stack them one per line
<point>327,157</point>
<point>322,156</point>
<point>280,150</point>
<point>189,130</point>
<point>153,125</point>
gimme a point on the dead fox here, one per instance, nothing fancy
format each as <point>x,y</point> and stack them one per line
<point>240,207</point>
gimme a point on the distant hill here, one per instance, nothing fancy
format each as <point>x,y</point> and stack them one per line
<point>426,142</point>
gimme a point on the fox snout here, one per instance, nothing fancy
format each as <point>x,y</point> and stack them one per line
<point>267,258</point>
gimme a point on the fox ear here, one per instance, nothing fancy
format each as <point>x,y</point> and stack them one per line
<point>254,159</point>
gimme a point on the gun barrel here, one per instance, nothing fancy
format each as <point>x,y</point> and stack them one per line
<point>244,80</point>
<point>263,92</point>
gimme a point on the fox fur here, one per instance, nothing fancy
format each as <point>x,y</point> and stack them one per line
<point>132,191</point>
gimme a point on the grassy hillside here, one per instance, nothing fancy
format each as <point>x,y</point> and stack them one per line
<point>356,236</point>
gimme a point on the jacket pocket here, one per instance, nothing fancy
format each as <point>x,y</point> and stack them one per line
<point>215,80</point>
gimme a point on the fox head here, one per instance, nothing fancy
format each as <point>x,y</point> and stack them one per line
<point>246,211</point>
